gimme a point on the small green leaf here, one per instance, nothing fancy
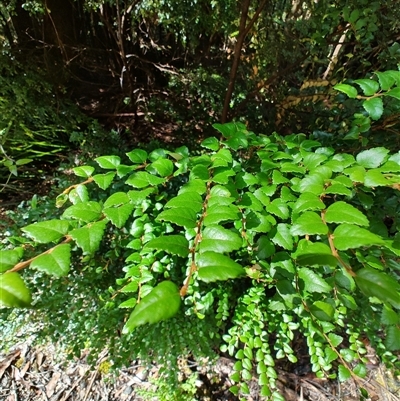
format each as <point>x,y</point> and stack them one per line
<point>143,179</point>
<point>342,212</point>
<point>308,201</point>
<point>181,216</point>
<point>174,244</point>
<point>312,281</point>
<point>21,162</point>
<point>313,183</point>
<point>163,302</point>
<point>350,91</point>
<point>315,254</point>
<point>283,238</point>
<point>162,167</point>
<point>368,86</point>
<point>395,92</point>
<point>13,291</point>
<point>216,214</point>
<point>214,266</point>
<point>85,211</point>
<point>372,158</point>
<point>374,107</point>
<point>392,340</point>
<point>278,208</point>
<point>347,236</point>
<point>343,373</point>
<point>47,231</point>
<point>210,143</point>
<point>378,284</point>
<point>322,311</point>
<point>83,171</point>
<point>137,156</point>
<point>119,215</point>
<point>219,239</point>
<point>104,180</point>
<point>335,339</point>
<point>129,303</point>
<point>79,194</point>
<point>360,370</point>
<point>389,316</point>
<point>385,80</point>
<point>223,158</point>
<point>108,162</point>
<point>9,258</point>
<point>55,262</point>
<point>374,178</point>
<point>89,237</point>
<point>309,223</point>
<point>117,199</point>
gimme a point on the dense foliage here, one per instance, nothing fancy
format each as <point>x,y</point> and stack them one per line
<point>254,240</point>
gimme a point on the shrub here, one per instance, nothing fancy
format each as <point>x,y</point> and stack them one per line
<point>256,240</point>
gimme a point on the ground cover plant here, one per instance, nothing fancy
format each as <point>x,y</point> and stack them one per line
<point>241,247</point>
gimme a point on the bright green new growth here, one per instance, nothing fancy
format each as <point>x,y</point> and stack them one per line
<point>286,219</point>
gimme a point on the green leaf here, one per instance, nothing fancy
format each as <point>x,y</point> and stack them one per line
<point>322,311</point>
<point>129,303</point>
<point>347,236</point>
<point>350,91</point>
<point>13,291</point>
<point>283,238</point>
<point>222,174</point>
<point>339,189</point>
<point>335,339</point>
<point>120,214</point>
<point>142,179</point>
<point>360,370</point>
<point>138,197</point>
<point>117,199</point>
<point>163,302</point>
<point>308,201</point>
<point>55,262</point>
<point>309,223</point>
<point>47,231</point>
<point>278,208</point>
<point>389,316</point>
<point>108,162</point>
<point>174,244</point>
<point>223,158</point>
<point>104,180</point>
<point>210,143</point>
<point>395,92</point>
<point>162,167</point>
<point>85,211</point>
<point>79,194</point>
<point>313,183</point>
<point>392,340</point>
<point>191,200</point>
<point>219,239</point>
<point>315,254</point>
<point>265,248</point>
<point>368,86</point>
<point>372,158</point>
<point>343,373</point>
<point>9,258</point>
<point>374,178</point>
<point>89,237</point>
<point>374,107</point>
<point>342,212</point>
<point>181,216</point>
<point>312,281</point>
<point>377,284</point>
<point>137,156</point>
<point>83,171</point>
<point>216,214</point>
<point>214,266</point>
<point>385,80</point>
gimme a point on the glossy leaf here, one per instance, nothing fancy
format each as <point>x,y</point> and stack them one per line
<point>312,281</point>
<point>392,340</point>
<point>142,179</point>
<point>315,254</point>
<point>181,216</point>
<point>219,239</point>
<point>104,180</point>
<point>137,156</point>
<point>342,212</point>
<point>283,237</point>
<point>348,236</point>
<point>79,194</point>
<point>386,81</point>
<point>343,373</point>
<point>368,86</point>
<point>322,311</point>
<point>214,266</point>
<point>85,211</point>
<point>162,167</point>
<point>374,283</point>
<point>47,231</point>
<point>309,223</point>
<point>9,258</point>
<point>89,237</point>
<point>216,214</point>
<point>13,291</point>
<point>174,244</point>
<point>119,215</point>
<point>211,143</point>
<point>374,107</point>
<point>372,158</point>
<point>56,262</point>
<point>83,171</point>
<point>191,200</point>
<point>395,92</point>
<point>108,162</point>
<point>349,90</point>
<point>163,302</point>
